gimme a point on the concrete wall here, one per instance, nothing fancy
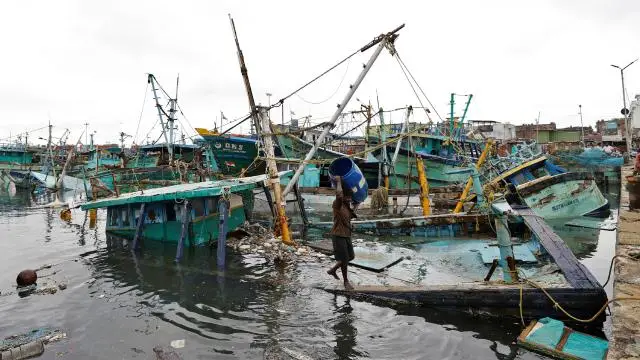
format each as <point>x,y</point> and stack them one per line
<point>565,136</point>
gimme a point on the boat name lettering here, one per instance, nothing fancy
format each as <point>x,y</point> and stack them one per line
<point>233,146</point>
<point>561,206</point>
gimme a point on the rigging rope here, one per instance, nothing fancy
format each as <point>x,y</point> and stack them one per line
<point>279,103</point>
<point>417,84</point>
<point>334,92</point>
<point>414,90</point>
<point>146,90</point>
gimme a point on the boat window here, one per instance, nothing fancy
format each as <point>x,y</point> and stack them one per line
<point>171,212</point>
<point>125,217</point>
<point>151,214</point>
<point>113,217</point>
<point>136,216</point>
<point>212,205</point>
<point>198,207</point>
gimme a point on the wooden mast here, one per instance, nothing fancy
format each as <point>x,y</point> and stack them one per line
<point>262,124</point>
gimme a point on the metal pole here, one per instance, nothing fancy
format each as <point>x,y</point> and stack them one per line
<point>464,115</point>
<point>625,112</point>
<point>385,156</point>
<point>151,80</point>
<point>405,128</point>
<point>335,116</point>
<point>581,125</point>
<point>171,120</point>
<point>452,103</point>
<point>86,133</point>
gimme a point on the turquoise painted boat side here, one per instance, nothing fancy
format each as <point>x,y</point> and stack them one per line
<point>438,174</point>
<point>15,156</point>
<point>203,229</point>
<point>567,199</point>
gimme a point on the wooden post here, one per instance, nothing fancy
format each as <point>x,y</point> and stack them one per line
<point>183,232</point>
<point>300,201</point>
<point>267,194</point>
<point>506,249</point>
<point>223,210</point>
<point>139,226</point>
<point>424,188</point>
<point>274,177</point>
<point>93,218</point>
<point>467,188</point>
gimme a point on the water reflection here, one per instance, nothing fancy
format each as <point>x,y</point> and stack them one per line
<point>345,332</point>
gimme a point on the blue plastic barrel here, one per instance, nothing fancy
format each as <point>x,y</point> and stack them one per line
<point>351,177</point>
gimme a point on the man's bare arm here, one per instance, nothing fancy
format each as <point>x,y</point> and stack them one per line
<point>339,193</point>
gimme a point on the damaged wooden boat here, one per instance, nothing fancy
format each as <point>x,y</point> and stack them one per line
<point>549,190</point>
<point>190,213</point>
<point>540,276</point>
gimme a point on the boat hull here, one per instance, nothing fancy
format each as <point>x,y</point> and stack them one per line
<point>566,195</point>
<point>202,229</point>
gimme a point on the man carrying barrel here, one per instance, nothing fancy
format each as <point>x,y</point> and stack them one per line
<point>341,232</point>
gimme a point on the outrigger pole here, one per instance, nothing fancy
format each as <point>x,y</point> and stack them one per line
<point>383,40</point>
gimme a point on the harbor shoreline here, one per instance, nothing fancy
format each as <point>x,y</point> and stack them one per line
<point>625,338</point>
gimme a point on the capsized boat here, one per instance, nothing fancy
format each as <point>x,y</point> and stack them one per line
<point>548,189</point>
<point>163,210</point>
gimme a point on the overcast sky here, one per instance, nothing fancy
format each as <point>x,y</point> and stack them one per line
<point>86,61</point>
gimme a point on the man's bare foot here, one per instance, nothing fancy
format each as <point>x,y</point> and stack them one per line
<point>332,272</point>
<point>348,286</point>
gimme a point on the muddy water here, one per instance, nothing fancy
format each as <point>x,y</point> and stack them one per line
<point>119,306</point>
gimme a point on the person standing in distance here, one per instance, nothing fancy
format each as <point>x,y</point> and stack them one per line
<point>341,232</point>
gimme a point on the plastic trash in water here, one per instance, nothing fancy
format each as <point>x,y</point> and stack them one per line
<point>177,344</point>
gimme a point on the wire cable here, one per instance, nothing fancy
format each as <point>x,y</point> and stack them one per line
<point>146,90</point>
<point>279,103</point>
<point>334,92</point>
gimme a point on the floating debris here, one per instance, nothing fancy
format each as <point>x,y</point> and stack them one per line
<point>260,240</point>
<point>165,354</point>
<point>177,344</point>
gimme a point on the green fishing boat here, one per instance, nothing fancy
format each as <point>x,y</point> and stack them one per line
<point>548,189</point>
<point>189,211</point>
<point>232,154</point>
<point>149,168</point>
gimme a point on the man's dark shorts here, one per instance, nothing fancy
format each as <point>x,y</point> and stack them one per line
<point>342,248</point>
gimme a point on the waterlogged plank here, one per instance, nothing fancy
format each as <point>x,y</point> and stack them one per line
<point>576,274</point>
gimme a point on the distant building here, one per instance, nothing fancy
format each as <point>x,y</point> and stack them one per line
<point>612,130</point>
<point>494,129</point>
<point>549,133</point>
<point>539,132</point>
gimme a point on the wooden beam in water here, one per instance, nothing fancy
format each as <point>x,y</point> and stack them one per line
<point>576,274</point>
